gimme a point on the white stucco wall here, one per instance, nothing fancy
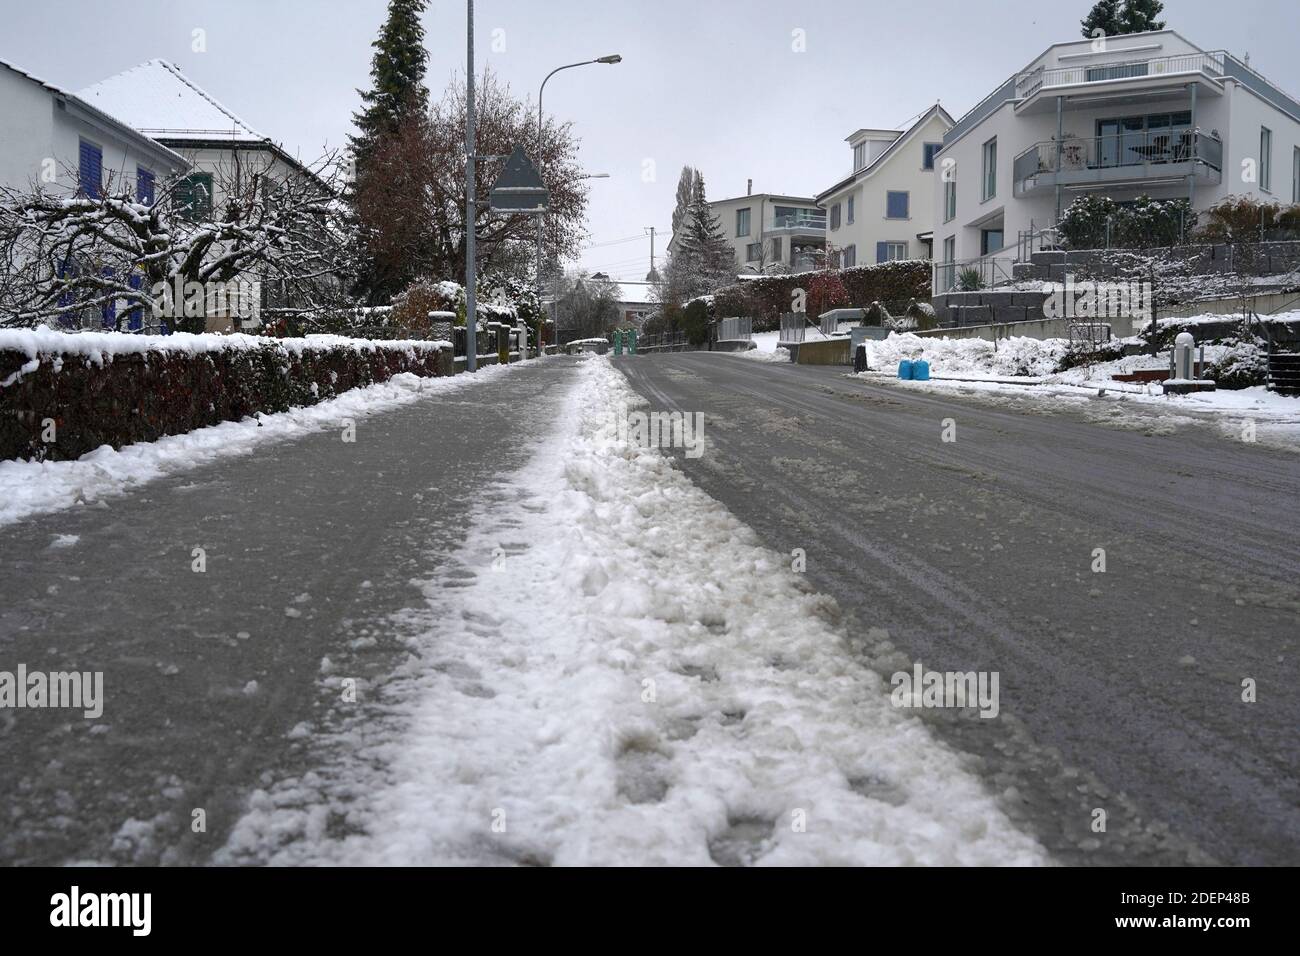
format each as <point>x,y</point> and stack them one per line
<point>902,171</point>
<point>38,125</point>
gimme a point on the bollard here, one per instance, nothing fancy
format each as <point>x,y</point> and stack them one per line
<point>618,342</point>
<point>1183,346</point>
<point>860,359</point>
<point>905,369</point>
<point>631,341</point>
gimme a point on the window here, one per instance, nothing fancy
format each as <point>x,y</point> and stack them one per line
<point>835,216</point>
<point>990,188</point>
<point>850,256</point>
<point>927,154</point>
<point>753,251</point>
<point>850,209</point>
<point>990,241</point>
<point>949,200</point>
<point>950,249</point>
<point>889,251</point>
<point>742,222</point>
<point>1266,159</point>
<point>859,156</point>
<point>776,249</point>
<point>896,205</point>
<point>194,197</point>
<point>90,171</point>
<point>144,185</point>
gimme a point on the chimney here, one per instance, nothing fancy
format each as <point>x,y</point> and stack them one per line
<point>749,186</point>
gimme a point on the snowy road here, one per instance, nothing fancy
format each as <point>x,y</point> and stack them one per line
<point>1121,691</point>
<point>586,661</point>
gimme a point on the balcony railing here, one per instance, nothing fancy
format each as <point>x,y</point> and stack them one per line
<point>1027,84</point>
<point>1140,154</point>
<point>810,223</point>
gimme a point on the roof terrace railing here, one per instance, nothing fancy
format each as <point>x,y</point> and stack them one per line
<point>1027,84</point>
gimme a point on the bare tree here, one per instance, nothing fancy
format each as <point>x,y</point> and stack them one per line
<point>67,255</point>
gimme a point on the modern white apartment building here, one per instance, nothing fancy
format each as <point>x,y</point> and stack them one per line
<point>883,209</point>
<point>767,231</point>
<point>1124,116</point>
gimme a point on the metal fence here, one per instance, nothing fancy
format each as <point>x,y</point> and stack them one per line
<point>792,327</point>
<point>736,329</point>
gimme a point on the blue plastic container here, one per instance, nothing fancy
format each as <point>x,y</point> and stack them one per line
<point>921,370</point>
<point>905,368</point>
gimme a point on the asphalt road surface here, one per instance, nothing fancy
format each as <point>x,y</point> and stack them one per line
<point>311,546</point>
<point>1121,691</point>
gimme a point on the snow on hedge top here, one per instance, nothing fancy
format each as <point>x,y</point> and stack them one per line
<point>98,347</point>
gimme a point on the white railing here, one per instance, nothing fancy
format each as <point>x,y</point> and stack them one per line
<point>1027,84</point>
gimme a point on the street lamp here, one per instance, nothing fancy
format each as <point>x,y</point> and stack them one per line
<point>611,59</point>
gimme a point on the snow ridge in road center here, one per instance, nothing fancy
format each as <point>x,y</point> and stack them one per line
<point>639,682</point>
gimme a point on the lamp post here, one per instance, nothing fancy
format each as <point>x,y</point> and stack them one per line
<point>471,202</point>
<point>611,59</point>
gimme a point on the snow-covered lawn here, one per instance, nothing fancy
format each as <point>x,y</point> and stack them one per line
<point>615,671</point>
<point>1022,370</point>
<point>34,487</point>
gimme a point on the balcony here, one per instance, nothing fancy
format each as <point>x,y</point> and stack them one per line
<point>1137,78</point>
<point>1137,158</point>
<point>798,225</point>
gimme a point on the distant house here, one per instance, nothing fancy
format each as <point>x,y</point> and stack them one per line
<point>56,138</point>
<point>635,303</point>
<point>884,209</point>
<point>161,102</point>
<point>770,232</point>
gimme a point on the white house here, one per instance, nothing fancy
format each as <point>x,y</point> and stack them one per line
<point>1145,113</point>
<point>54,138</point>
<point>883,208</point>
<point>767,230</point>
<point>160,101</point>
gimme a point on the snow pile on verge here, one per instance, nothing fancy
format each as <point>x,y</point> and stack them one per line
<point>1010,356</point>
<point>759,355</point>
<point>640,683</point>
<point>36,487</point>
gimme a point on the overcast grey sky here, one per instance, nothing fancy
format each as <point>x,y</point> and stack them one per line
<point>711,83</point>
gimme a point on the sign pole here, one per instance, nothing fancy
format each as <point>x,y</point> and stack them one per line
<point>471,210</point>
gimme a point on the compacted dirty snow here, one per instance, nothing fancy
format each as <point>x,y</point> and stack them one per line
<point>616,672</point>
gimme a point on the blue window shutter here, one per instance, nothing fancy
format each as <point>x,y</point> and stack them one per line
<point>896,204</point>
<point>882,252</point>
<point>91,169</point>
<point>144,182</point>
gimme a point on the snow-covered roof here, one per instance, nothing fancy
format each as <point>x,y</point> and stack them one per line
<point>89,106</point>
<point>634,293</point>
<point>159,100</point>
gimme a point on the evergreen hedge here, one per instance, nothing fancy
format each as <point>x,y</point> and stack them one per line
<point>97,398</point>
